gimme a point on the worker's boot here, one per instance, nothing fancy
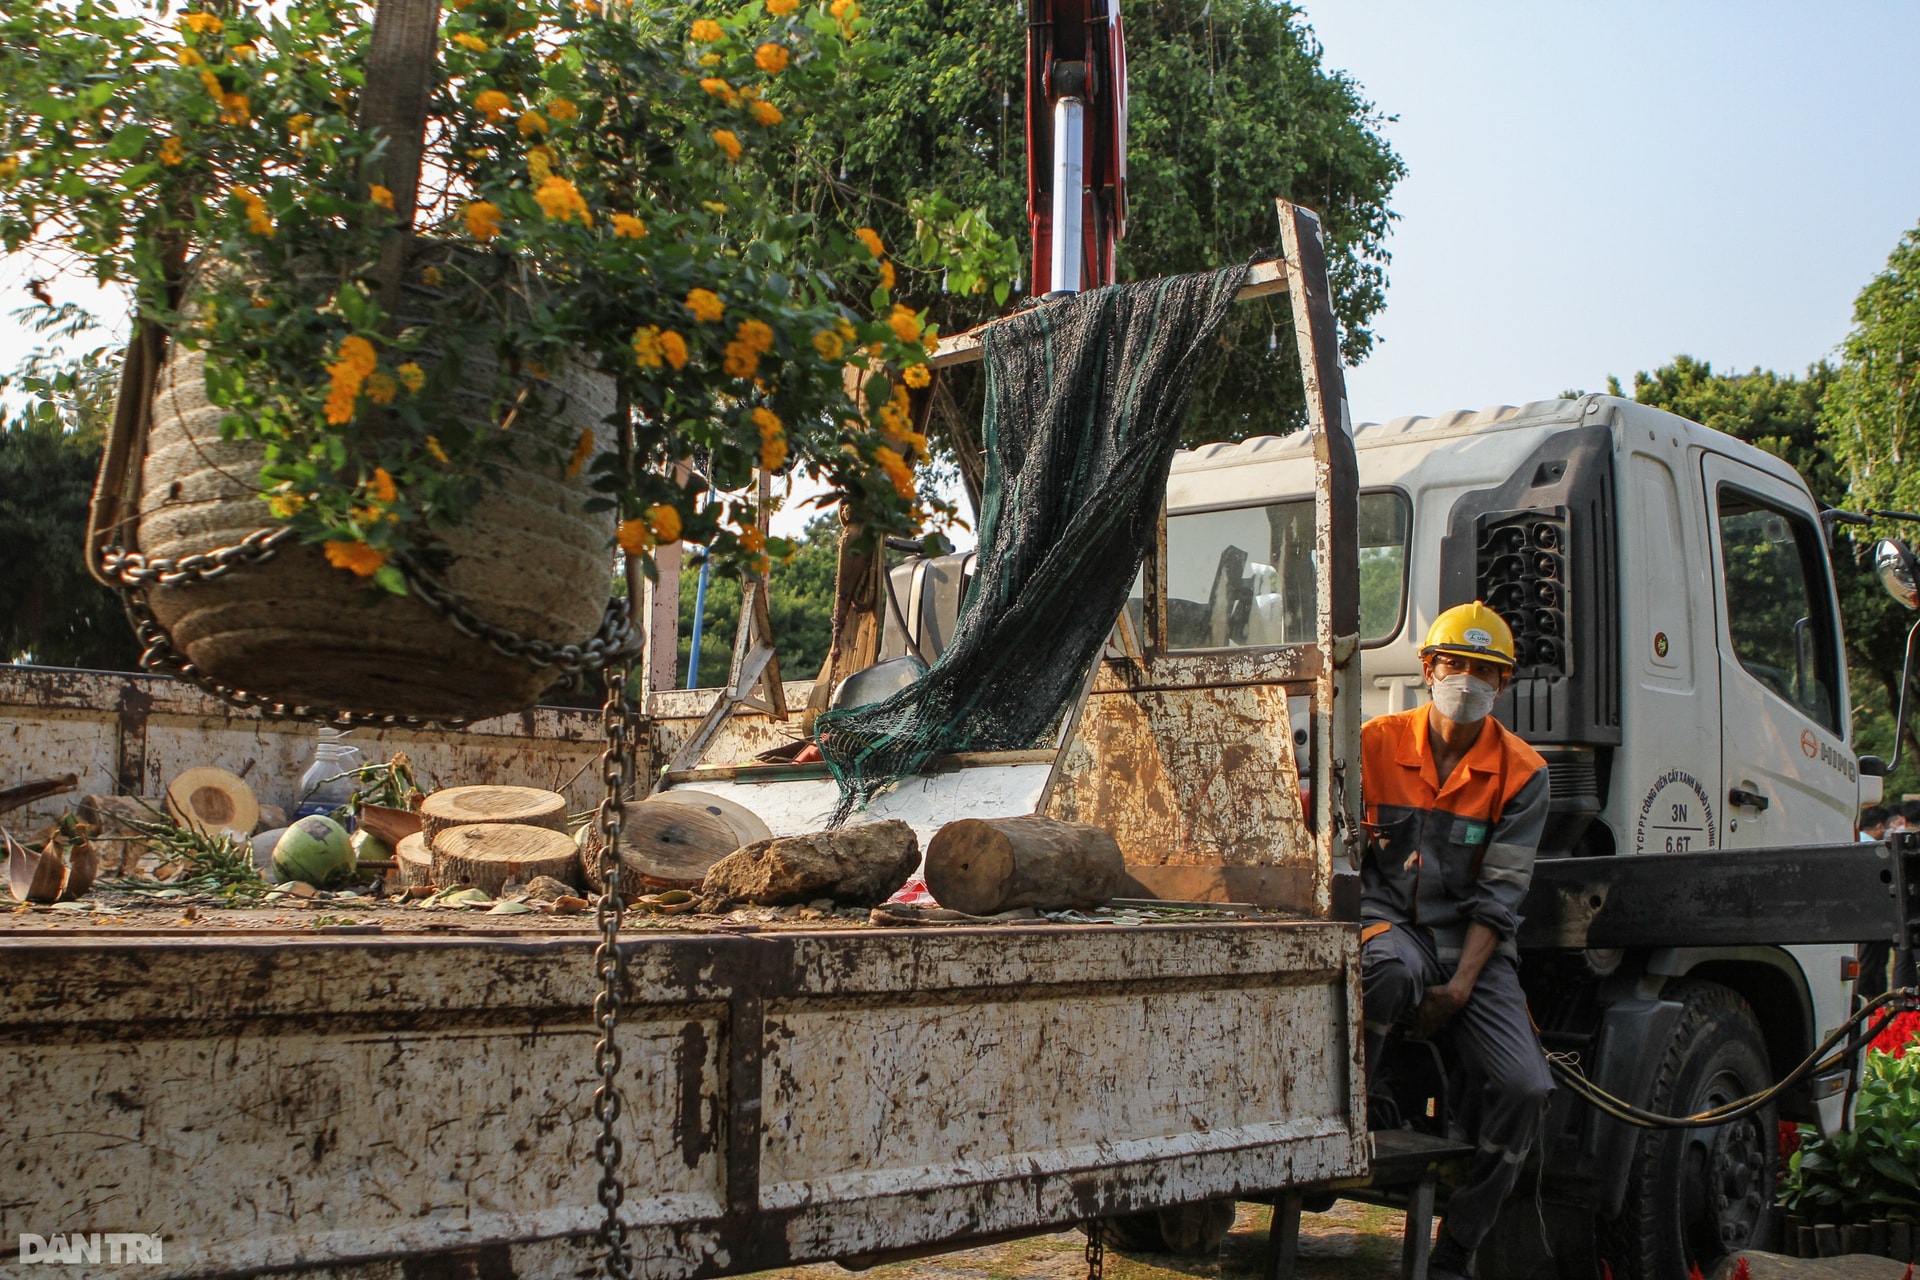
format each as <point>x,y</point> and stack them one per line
<point>1450,1260</point>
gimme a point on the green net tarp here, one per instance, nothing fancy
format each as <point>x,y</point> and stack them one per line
<point>1085,397</point>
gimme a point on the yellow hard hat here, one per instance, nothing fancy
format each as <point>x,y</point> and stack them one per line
<point>1471,629</point>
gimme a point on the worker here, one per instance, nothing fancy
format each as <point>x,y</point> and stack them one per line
<point>1455,807</point>
<point>1873,823</point>
<point>1882,963</point>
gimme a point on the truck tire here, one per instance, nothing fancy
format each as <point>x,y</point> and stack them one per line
<point>1696,1195</point>
<point>1188,1229</point>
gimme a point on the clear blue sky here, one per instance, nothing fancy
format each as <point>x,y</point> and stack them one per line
<point>1594,188</point>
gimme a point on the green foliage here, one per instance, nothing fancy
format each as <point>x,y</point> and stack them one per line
<point>51,611</point>
<point>1787,416</point>
<point>799,604</point>
<point>616,191</point>
<point>1874,1170</point>
<point>1230,107</point>
<point>1869,418</point>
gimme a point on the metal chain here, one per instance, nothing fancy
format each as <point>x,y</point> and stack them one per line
<point>1096,1232</point>
<point>610,644</point>
<point>617,723</point>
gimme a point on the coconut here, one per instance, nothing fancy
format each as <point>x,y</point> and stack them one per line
<point>368,847</point>
<point>315,850</point>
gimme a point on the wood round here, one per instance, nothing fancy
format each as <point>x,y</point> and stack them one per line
<point>665,845</point>
<point>415,860</point>
<point>475,806</point>
<point>213,800</point>
<point>488,855</point>
<point>986,865</point>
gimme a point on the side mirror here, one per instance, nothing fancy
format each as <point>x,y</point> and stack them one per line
<point>1873,767</point>
<point>1899,573</point>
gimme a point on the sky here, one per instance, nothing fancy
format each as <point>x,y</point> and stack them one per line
<point>1595,188</point>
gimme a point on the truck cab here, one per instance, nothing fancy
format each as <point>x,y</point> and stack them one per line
<point>1679,667</point>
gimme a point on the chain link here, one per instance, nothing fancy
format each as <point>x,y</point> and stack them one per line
<point>614,641</point>
<point>1096,1233</point>
<point>617,722</point>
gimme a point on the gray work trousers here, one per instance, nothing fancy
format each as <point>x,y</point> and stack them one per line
<point>1493,1038</point>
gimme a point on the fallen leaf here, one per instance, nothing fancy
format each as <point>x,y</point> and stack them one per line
<point>568,905</point>
<point>300,889</point>
<point>510,909</point>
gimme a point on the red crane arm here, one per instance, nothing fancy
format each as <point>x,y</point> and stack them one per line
<point>1076,85</point>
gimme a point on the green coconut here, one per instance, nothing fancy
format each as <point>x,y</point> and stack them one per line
<point>368,847</point>
<point>315,850</point>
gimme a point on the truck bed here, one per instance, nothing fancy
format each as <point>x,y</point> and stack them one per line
<point>276,1095</point>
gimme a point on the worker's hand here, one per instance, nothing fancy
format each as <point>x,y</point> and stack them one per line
<point>1437,1008</point>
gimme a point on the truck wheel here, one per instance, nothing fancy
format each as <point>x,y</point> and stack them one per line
<point>1696,1195</point>
<point>1190,1229</point>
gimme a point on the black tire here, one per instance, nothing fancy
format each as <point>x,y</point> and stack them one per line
<point>1188,1229</point>
<point>1696,1195</point>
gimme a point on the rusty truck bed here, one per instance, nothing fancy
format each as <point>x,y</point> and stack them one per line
<point>279,1099</point>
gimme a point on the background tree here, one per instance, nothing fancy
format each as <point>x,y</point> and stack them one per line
<point>1230,107</point>
<point>1783,414</point>
<point>1869,417</point>
<point>51,611</point>
<point>799,604</point>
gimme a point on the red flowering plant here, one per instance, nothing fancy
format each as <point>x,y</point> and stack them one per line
<point>608,192</point>
<point>1873,1169</point>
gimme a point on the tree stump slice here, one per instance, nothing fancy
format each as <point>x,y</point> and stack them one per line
<point>476,806</point>
<point>984,866</point>
<point>860,865</point>
<point>212,801</point>
<point>487,855</point>
<point>663,846</point>
<point>415,860</point>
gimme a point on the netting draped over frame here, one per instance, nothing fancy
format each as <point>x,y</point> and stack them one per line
<point>1085,397</point>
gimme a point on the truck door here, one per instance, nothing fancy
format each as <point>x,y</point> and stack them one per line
<point>1787,774</point>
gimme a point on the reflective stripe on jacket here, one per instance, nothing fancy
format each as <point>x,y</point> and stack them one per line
<point>1439,857</point>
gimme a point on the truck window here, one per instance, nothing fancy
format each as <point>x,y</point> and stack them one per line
<point>1243,577</point>
<point>1777,614</point>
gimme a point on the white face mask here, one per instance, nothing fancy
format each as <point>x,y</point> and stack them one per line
<point>1463,699</point>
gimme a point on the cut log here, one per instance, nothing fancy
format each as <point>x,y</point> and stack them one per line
<point>38,789</point>
<point>212,801</point>
<point>983,866</point>
<point>856,865</point>
<point>390,825</point>
<point>415,860</point>
<point>474,806</point>
<point>663,846</point>
<point>487,855</point>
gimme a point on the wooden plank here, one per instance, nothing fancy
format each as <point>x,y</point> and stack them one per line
<point>1264,279</point>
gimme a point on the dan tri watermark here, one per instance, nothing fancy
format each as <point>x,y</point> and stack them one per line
<point>97,1248</point>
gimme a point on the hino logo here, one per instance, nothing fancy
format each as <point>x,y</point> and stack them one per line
<point>96,1247</point>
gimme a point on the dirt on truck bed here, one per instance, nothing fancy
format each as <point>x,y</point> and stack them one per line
<point>145,908</point>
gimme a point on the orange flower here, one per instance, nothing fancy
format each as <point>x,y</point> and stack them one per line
<point>828,344</point>
<point>382,487</point>
<point>430,275</point>
<point>766,113</point>
<point>582,450</point>
<point>562,109</point>
<point>664,521</point>
<point>561,201</point>
<point>755,335</point>
<point>766,422</point>
<point>904,323</point>
<point>634,537</point>
<point>674,347</point>
<point>720,89</point>
<point>771,58</point>
<point>532,122</point>
<point>203,24</point>
<point>493,104</point>
<point>483,219</point>
<point>381,389</point>
<point>752,540</point>
<point>886,275</point>
<point>412,376</point>
<point>740,360</point>
<point>706,31</point>
<point>285,505</point>
<point>171,152</point>
<point>435,448</point>
<point>234,108</point>
<point>898,472</point>
<point>773,453</point>
<point>628,227</point>
<point>871,238</point>
<point>191,57</point>
<point>258,218</point>
<point>467,40</point>
<point>380,195</point>
<point>845,11</point>
<point>781,8</point>
<point>363,560</point>
<point>727,141</point>
<point>917,375</point>
<point>705,305</point>
<point>540,162</point>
